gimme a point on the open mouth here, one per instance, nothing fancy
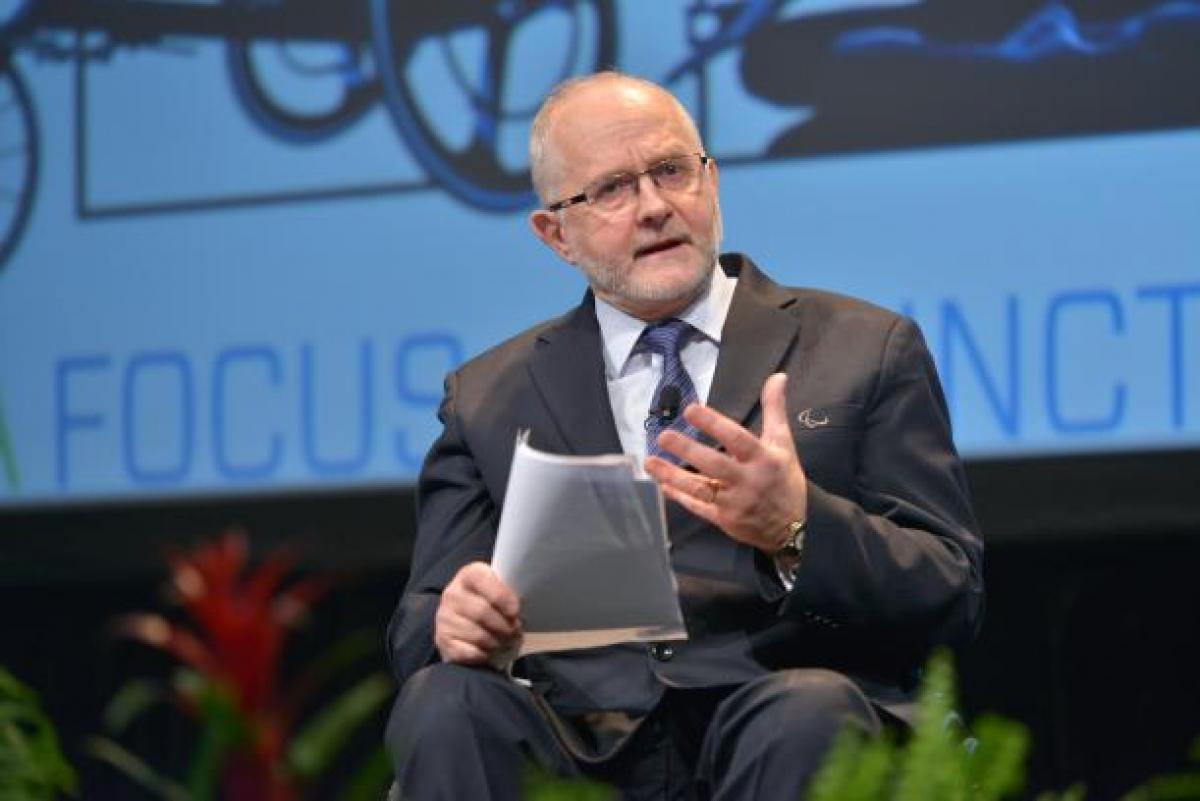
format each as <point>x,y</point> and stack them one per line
<point>658,247</point>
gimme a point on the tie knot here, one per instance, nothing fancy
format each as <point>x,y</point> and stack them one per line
<point>665,338</point>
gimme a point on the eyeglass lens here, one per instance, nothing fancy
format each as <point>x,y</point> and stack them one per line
<point>673,174</point>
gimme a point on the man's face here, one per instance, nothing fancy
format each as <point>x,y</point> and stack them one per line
<point>654,256</point>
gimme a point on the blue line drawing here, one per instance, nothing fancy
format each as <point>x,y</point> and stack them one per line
<point>936,72</point>
<point>862,76</point>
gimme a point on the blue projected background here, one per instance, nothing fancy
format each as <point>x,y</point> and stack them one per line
<point>243,242</point>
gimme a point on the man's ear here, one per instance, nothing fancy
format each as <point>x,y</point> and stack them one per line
<point>547,226</point>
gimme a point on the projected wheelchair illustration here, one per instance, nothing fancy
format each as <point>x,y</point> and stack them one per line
<point>460,80</point>
<point>443,72</point>
<point>306,70</point>
<point>18,156</point>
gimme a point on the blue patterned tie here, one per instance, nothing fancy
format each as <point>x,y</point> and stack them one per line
<point>665,339</point>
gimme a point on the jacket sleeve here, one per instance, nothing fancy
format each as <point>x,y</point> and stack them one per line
<point>456,525</point>
<point>902,559</point>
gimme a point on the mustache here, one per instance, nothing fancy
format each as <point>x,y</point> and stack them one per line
<point>661,243</point>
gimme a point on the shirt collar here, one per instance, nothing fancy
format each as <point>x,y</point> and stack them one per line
<point>707,313</point>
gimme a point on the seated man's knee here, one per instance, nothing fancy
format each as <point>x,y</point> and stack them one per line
<point>434,707</point>
<point>796,712</point>
<point>815,698</point>
<point>768,737</point>
<point>466,732</point>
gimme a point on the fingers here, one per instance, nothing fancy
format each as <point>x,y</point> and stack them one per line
<point>477,616</point>
<point>775,429</point>
<point>739,443</point>
<point>753,488</point>
<point>471,613</point>
<point>696,485</point>
<point>704,509</point>
<point>479,579</point>
<point>706,459</point>
<point>462,646</point>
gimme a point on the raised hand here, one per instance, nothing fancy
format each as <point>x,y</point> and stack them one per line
<point>754,487</point>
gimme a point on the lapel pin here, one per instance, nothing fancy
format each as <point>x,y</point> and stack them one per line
<point>808,419</point>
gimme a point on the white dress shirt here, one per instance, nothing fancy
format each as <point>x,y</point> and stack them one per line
<point>633,376</point>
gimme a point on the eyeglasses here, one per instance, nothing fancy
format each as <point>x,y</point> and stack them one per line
<point>615,192</point>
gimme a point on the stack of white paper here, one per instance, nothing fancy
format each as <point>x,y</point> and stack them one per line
<point>583,543</point>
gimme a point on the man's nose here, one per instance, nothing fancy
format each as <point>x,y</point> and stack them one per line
<point>652,205</point>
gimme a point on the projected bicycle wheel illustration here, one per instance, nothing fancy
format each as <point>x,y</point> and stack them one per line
<point>462,81</point>
<point>18,157</point>
<point>302,91</point>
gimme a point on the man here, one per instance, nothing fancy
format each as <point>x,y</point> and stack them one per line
<point>820,529</point>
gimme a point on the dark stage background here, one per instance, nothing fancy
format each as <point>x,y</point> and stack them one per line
<point>1092,635</point>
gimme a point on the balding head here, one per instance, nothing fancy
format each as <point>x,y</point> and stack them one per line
<point>571,97</point>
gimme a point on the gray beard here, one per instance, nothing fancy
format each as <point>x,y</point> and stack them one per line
<point>614,284</point>
<point>605,280</point>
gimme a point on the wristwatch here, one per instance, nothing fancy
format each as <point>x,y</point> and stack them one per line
<point>788,555</point>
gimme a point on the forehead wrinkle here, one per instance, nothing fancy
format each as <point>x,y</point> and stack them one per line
<point>633,155</point>
<point>638,165</point>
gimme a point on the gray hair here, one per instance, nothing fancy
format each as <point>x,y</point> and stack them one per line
<point>539,132</point>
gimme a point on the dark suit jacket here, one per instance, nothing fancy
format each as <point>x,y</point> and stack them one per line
<point>893,559</point>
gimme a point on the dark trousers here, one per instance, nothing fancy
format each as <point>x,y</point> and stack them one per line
<point>468,733</point>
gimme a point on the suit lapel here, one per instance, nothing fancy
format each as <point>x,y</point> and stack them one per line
<point>568,371</point>
<point>568,368</point>
<point>757,337</point>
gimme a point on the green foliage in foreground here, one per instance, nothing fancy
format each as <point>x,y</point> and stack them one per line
<point>32,767</point>
<point>940,760</point>
<point>937,761</point>
<point>1177,787</point>
<point>541,786</point>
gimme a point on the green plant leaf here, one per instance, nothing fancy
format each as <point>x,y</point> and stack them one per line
<point>131,700</point>
<point>371,780</point>
<point>345,653</point>
<point>996,768</point>
<point>32,764</point>
<point>856,768</point>
<point>837,770</point>
<point>541,786</point>
<point>932,765</point>
<point>876,769</point>
<point>1075,792</point>
<point>136,769</point>
<point>1178,787</point>
<point>222,730</point>
<point>315,747</point>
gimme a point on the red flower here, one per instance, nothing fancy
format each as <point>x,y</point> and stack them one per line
<point>240,619</point>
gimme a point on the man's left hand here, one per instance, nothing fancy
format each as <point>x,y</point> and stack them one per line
<point>754,487</point>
